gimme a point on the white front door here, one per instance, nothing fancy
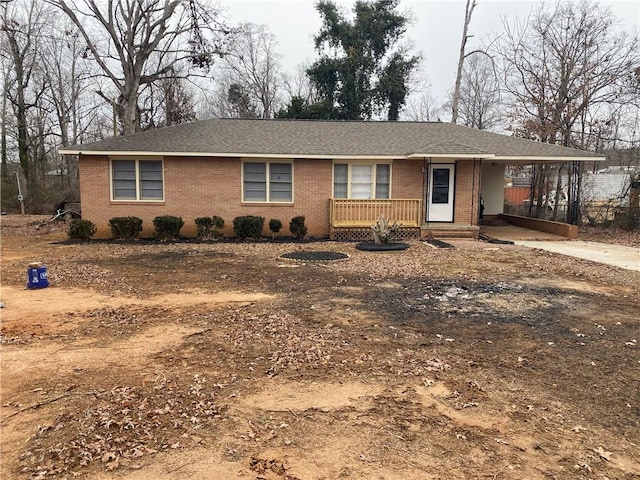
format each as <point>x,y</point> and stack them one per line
<point>441,193</point>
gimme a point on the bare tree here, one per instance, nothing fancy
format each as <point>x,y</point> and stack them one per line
<point>253,64</point>
<point>298,85</point>
<point>424,109</point>
<point>66,76</point>
<point>20,27</point>
<point>565,60</point>
<point>4,112</point>
<point>480,101</point>
<point>558,66</point>
<point>122,36</point>
<point>169,101</point>
<point>468,11</point>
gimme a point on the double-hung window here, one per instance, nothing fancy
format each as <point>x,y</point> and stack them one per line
<point>137,180</point>
<point>361,181</point>
<point>267,182</point>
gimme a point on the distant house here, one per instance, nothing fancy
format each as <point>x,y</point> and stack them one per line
<point>340,175</point>
<point>608,185</point>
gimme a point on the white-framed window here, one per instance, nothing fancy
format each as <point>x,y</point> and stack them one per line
<point>137,180</point>
<point>362,180</point>
<point>270,181</point>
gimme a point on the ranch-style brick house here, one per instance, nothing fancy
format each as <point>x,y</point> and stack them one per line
<point>341,175</point>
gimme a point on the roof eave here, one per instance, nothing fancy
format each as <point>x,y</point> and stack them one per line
<point>478,155</point>
<point>412,156</point>
<point>542,158</point>
<point>132,153</point>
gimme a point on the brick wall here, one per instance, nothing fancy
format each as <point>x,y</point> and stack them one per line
<point>409,182</point>
<point>466,208</point>
<point>199,187</point>
<point>407,179</point>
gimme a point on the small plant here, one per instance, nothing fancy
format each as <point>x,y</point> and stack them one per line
<point>81,229</point>
<point>248,226</point>
<point>125,227</point>
<point>275,226</point>
<point>209,227</point>
<point>167,227</point>
<point>203,227</point>
<point>383,230</point>
<point>218,225</point>
<point>297,227</point>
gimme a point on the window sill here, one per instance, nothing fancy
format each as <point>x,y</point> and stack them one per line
<point>137,202</point>
<point>267,204</point>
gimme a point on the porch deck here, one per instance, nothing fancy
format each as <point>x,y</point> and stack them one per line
<point>352,219</point>
<point>353,213</point>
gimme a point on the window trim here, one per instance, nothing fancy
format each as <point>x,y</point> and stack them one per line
<point>267,162</point>
<point>137,161</point>
<point>374,176</point>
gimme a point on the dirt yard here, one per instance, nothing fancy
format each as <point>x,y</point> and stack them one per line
<point>223,361</point>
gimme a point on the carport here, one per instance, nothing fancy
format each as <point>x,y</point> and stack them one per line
<point>492,185</point>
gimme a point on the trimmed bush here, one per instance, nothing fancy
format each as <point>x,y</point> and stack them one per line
<point>297,227</point>
<point>209,227</point>
<point>81,229</point>
<point>275,226</point>
<point>218,225</point>
<point>203,226</point>
<point>167,227</point>
<point>248,226</point>
<point>125,228</point>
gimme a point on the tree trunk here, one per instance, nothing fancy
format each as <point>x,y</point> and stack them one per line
<point>471,4</point>
<point>556,204</point>
<point>20,105</point>
<point>3,134</point>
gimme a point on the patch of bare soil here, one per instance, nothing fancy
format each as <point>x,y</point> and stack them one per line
<point>218,360</point>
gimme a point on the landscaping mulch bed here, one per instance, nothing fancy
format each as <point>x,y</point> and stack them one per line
<point>438,243</point>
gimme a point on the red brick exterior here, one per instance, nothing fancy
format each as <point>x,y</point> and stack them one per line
<point>203,186</point>
<point>466,208</point>
<point>407,179</point>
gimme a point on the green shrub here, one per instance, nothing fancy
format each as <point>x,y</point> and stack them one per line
<point>248,226</point>
<point>209,227</point>
<point>125,227</point>
<point>275,226</point>
<point>297,227</point>
<point>81,229</point>
<point>167,227</point>
<point>218,225</point>
<point>204,225</point>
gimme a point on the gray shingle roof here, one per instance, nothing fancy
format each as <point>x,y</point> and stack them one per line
<point>305,138</point>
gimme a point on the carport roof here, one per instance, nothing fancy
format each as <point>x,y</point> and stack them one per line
<point>328,139</point>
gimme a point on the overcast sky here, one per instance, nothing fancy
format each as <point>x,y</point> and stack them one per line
<point>435,33</point>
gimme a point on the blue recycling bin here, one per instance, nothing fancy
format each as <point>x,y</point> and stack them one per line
<point>37,276</point>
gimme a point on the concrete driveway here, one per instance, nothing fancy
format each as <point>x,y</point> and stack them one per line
<point>616,255</point>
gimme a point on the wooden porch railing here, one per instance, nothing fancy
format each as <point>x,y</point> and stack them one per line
<point>364,213</point>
